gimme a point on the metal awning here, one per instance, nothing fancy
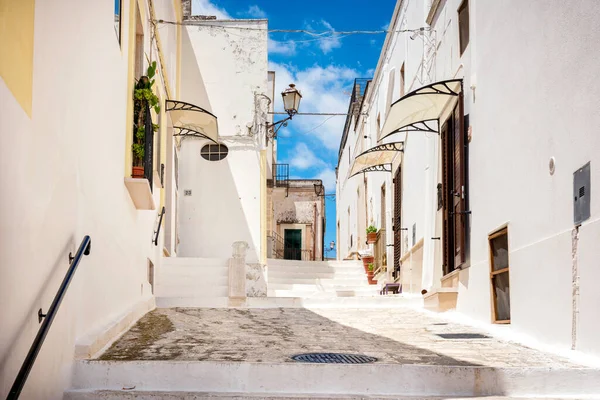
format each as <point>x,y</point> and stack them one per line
<point>421,109</point>
<point>378,158</point>
<point>192,121</point>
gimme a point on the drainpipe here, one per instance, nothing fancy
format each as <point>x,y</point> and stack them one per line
<point>575,286</point>
<point>314,231</point>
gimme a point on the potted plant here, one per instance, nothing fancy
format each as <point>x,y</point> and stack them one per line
<point>367,259</point>
<point>143,96</point>
<point>370,274</point>
<point>371,234</point>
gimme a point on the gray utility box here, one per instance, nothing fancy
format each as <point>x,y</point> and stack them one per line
<point>581,194</point>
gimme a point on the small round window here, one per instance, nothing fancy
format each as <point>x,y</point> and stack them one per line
<point>214,152</point>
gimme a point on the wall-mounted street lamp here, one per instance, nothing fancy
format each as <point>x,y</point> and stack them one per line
<point>291,102</point>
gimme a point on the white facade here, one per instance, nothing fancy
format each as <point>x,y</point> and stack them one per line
<point>63,171</point>
<point>225,203</point>
<point>525,107</point>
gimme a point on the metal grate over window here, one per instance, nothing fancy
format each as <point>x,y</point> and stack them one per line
<point>214,152</point>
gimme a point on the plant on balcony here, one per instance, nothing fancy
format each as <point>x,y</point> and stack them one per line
<point>371,234</point>
<point>143,96</point>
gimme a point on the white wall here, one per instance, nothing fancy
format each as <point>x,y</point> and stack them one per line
<point>225,202</point>
<point>63,177</point>
<point>526,112</point>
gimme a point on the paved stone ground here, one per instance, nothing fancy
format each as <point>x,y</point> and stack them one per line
<point>403,336</point>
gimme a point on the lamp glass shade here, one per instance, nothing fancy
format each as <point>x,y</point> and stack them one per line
<point>291,99</point>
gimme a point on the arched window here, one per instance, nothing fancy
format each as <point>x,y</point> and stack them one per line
<point>214,152</point>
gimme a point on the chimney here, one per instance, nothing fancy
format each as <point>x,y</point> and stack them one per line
<point>186,8</point>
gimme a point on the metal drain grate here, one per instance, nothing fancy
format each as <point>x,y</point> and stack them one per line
<point>334,358</point>
<point>462,336</point>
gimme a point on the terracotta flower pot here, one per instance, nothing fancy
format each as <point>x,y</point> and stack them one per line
<point>371,237</point>
<point>366,261</point>
<point>137,172</point>
<point>370,278</point>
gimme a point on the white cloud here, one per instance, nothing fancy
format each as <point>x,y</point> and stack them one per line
<point>304,158</point>
<point>331,42</point>
<point>285,48</point>
<point>327,175</point>
<point>324,90</point>
<point>256,12</point>
<point>206,7</point>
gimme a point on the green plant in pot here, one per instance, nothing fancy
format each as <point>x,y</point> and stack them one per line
<point>370,274</point>
<point>371,234</point>
<point>143,96</point>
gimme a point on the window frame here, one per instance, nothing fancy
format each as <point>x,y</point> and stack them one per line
<point>464,7</point>
<point>211,153</point>
<point>500,232</point>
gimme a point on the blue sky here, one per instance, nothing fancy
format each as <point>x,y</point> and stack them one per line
<point>323,69</point>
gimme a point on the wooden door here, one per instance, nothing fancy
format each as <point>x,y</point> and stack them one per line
<point>459,192</point>
<point>397,225</point>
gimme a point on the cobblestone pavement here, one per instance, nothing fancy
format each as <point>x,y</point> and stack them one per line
<point>402,336</point>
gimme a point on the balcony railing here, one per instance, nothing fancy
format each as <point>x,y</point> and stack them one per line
<point>290,253</point>
<point>278,249</point>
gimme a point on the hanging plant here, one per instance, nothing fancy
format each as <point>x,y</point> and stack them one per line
<point>143,96</point>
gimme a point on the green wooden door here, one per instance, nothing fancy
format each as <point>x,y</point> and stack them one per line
<point>293,244</point>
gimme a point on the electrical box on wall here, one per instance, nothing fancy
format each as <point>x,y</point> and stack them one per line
<point>581,194</point>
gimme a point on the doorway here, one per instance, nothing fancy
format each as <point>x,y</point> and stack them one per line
<point>293,244</point>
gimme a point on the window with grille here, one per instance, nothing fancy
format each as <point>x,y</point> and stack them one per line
<point>463,25</point>
<point>214,152</point>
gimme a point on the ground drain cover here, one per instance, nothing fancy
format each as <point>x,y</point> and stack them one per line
<point>462,336</point>
<point>333,358</point>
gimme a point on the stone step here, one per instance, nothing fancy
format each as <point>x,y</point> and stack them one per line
<point>175,395</point>
<point>194,261</point>
<point>324,282</point>
<point>191,290</point>
<point>314,264</point>
<point>327,275</point>
<point>202,281</point>
<point>375,301</point>
<point>307,379</point>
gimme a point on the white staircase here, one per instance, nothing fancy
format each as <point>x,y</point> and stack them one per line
<point>192,282</point>
<point>318,279</point>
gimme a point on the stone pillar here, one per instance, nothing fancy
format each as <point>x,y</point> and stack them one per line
<point>237,271</point>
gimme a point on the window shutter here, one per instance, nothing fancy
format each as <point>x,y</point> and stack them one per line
<point>459,185</point>
<point>446,190</point>
<point>397,222</point>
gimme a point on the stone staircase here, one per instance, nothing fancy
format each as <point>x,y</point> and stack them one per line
<point>192,282</point>
<point>318,279</point>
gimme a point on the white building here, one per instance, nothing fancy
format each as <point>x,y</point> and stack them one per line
<point>498,164</point>
<point>68,72</point>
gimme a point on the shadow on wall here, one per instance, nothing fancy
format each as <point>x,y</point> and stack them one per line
<point>194,90</point>
<point>224,205</point>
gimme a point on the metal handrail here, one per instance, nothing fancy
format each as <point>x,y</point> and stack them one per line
<point>17,387</point>
<point>159,224</point>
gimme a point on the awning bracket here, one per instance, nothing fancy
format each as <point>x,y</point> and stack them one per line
<point>375,168</point>
<point>187,132</point>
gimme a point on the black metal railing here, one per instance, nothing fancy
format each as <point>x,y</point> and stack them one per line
<point>157,232</point>
<point>277,244</point>
<point>17,387</point>
<point>149,147</point>
<point>281,176</point>
<point>290,253</point>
